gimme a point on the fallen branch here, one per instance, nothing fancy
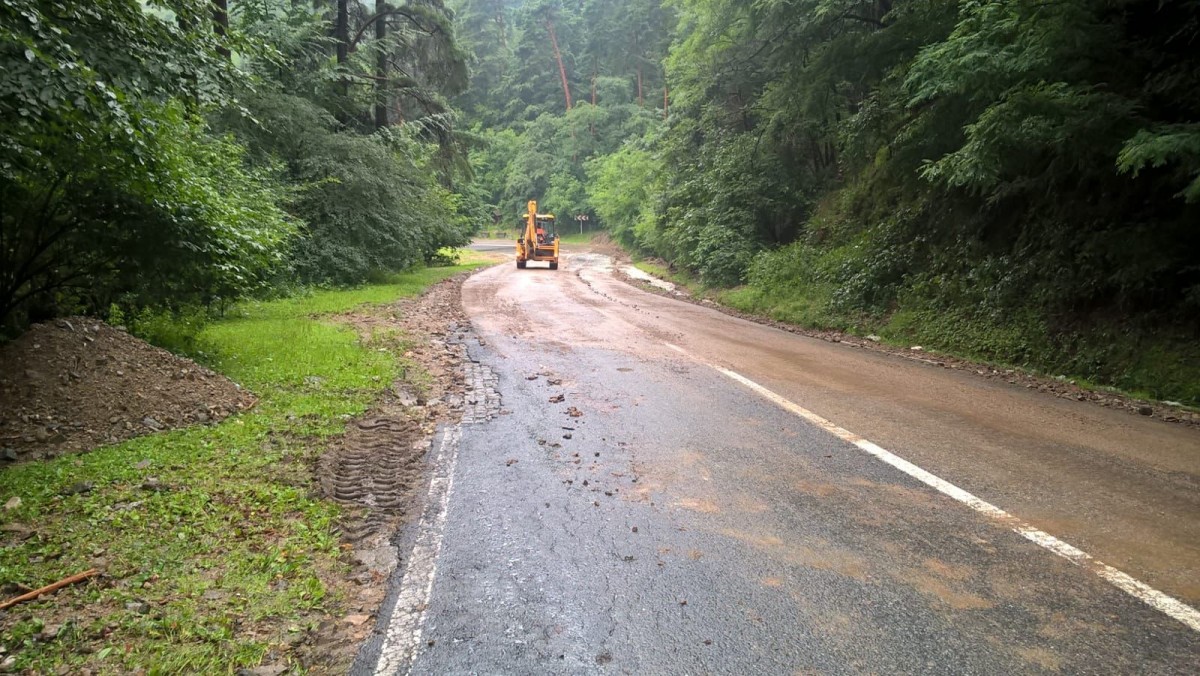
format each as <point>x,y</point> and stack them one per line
<point>77,577</point>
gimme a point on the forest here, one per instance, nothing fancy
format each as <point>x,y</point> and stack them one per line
<point>181,154</point>
<point>1017,181</point>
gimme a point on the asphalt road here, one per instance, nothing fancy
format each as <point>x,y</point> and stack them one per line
<point>505,245</point>
<point>685,523</point>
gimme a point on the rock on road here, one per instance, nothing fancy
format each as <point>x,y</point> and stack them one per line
<point>636,509</point>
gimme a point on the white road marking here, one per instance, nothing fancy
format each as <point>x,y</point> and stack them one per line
<point>404,629</point>
<point>1143,592</point>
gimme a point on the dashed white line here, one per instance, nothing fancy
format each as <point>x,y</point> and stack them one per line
<point>1143,592</point>
<point>407,622</point>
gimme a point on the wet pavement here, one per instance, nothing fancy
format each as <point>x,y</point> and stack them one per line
<point>627,508</point>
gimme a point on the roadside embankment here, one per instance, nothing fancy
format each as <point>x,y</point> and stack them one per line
<point>215,546</point>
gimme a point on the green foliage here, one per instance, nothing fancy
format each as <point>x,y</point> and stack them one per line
<point>620,186</point>
<point>369,201</point>
<point>1173,145</point>
<point>112,188</point>
<point>536,148</point>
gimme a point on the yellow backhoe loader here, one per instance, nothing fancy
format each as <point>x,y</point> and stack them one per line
<point>540,241</point>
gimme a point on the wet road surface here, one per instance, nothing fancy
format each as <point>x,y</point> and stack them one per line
<point>682,523</point>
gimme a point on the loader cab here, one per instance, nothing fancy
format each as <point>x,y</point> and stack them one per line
<point>545,229</point>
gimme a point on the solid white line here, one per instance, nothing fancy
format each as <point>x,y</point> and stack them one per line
<point>404,629</point>
<point>1143,592</point>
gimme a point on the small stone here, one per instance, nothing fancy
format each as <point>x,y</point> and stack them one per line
<point>916,348</point>
<point>874,338</point>
<point>139,607</point>
<point>9,455</point>
<point>79,488</point>
<point>152,484</point>
<point>356,620</point>
<point>152,423</point>
<point>9,664</point>
<point>1145,410</point>
<point>13,503</point>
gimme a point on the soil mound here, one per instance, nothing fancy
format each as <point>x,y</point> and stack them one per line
<point>73,384</point>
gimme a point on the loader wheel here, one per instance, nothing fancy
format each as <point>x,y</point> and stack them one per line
<point>521,265</point>
<point>554,266</point>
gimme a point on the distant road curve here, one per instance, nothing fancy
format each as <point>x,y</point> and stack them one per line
<point>491,245</point>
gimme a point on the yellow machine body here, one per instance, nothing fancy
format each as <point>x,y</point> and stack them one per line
<point>540,241</point>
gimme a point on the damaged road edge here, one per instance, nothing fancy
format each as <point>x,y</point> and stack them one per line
<point>396,639</point>
<point>398,633</point>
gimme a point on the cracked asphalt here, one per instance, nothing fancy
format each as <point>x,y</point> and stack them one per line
<point>684,525</point>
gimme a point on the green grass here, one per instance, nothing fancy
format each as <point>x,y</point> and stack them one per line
<point>567,237</point>
<point>234,554</point>
<point>809,308</point>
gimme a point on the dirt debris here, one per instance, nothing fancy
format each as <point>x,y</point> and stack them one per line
<point>73,384</point>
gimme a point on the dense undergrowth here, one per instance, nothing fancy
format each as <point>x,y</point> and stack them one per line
<point>229,555</point>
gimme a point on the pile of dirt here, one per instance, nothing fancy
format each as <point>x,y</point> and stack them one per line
<point>73,384</point>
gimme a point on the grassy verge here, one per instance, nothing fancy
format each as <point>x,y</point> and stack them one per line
<point>212,548</point>
<point>577,238</point>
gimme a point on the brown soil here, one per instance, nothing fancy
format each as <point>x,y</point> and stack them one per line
<point>378,468</point>
<point>74,384</point>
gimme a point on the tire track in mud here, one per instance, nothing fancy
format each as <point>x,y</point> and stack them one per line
<point>376,467</point>
<point>378,470</point>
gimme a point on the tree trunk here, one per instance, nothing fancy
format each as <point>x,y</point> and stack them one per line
<point>220,12</point>
<point>503,27</point>
<point>381,69</point>
<point>562,70</point>
<point>592,124</point>
<point>666,96</point>
<point>341,34</point>
<point>637,55</point>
